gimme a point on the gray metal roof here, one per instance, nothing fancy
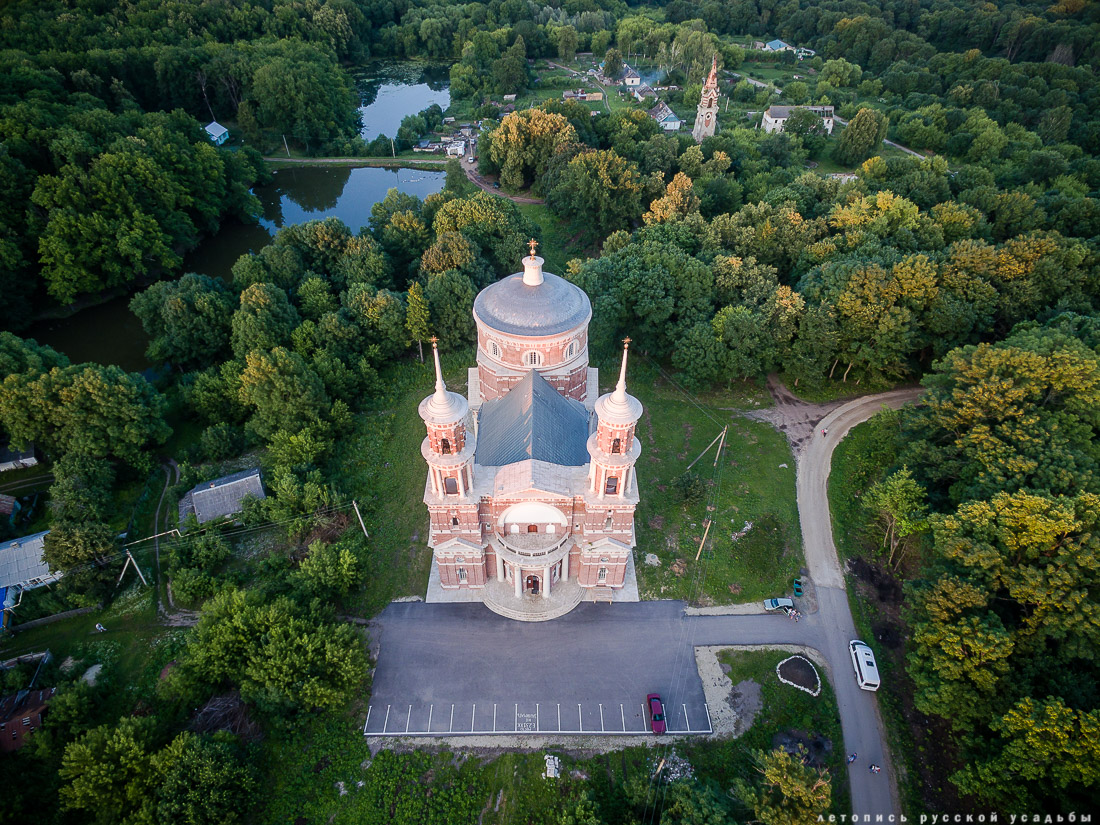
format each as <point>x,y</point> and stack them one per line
<point>222,496</point>
<point>532,421</point>
<point>514,308</point>
<point>21,560</point>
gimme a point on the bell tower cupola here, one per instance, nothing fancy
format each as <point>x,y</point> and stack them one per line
<point>449,445</point>
<point>614,447</point>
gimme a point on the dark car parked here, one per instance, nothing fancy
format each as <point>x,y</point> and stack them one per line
<point>656,712</point>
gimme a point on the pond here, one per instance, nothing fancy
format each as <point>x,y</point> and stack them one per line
<point>390,91</point>
<point>108,333</point>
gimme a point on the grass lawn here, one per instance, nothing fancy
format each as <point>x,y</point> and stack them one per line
<point>749,485</point>
<point>556,245</point>
<point>783,709</point>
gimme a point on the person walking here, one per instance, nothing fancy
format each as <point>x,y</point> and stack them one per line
<point>875,769</point>
<point>852,757</point>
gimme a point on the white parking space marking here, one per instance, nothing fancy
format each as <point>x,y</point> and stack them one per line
<point>528,719</point>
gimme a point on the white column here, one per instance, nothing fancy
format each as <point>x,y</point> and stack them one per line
<point>500,566</point>
<point>516,575</point>
<point>432,478</point>
<point>565,567</point>
<point>546,578</point>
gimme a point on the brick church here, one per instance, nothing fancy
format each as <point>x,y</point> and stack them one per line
<point>531,486</point>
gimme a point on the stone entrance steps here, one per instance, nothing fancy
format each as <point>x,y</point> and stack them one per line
<point>501,599</point>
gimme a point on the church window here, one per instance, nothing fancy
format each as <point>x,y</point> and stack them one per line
<point>494,349</point>
<point>607,524</point>
<point>450,486</point>
<point>616,445</point>
<point>454,521</point>
<point>462,574</point>
<point>571,350</point>
<point>445,446</point>
<point>532,358</point>
<point>612,485</point>
<point>532,528</point>
<point>603,574</point>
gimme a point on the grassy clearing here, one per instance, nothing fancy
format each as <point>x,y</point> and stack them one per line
<point>784,709</point>
<point>557,245</point>
<point>380,466</point>
<point>749,485</point>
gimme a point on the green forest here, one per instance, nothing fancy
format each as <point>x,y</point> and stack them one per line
<point>962,254</point>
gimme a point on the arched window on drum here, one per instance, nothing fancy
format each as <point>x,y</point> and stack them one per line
<point>532,359</point>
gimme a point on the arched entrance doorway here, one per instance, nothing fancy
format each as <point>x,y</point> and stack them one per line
<point>533,584</point>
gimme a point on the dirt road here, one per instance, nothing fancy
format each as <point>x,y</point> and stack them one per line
<point>860,718</point>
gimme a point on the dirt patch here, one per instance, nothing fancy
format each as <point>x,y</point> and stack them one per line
<point>817,748</point>
<point>657,522</point>
<point>887,587</point>
<point>801,672</point>
<point>746,701</point>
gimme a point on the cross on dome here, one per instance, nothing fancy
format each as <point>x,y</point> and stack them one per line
<point>532,243</point>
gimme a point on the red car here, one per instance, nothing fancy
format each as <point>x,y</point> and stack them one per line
<point>656,712</point>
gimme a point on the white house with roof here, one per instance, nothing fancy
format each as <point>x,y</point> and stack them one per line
<point>221,497</point>
<point>218,133</point>
<point>23,568</point>
<point>631,78</point>
<point>775,117</point>
<point>665,117</point>
<point>778,46</point>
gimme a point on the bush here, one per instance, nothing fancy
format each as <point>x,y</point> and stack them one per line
<point>689,488</point>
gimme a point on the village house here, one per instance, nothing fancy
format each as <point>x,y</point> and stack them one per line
<point>12,459</point>
<point>9,506</point>
<point>221,497</point>
<point>776,116</point>
<point>665,117</point>
<point>21,715</point>
<point>644,92</point>
<point>778,46</point>
<point>22,568</point>
<point>218,133</point>
<point>531,509</point>
<point>631,78</point>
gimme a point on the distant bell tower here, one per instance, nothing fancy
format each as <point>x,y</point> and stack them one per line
<point>706,117</point>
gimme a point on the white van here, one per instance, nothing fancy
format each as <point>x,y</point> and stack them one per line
<point>863,660</point>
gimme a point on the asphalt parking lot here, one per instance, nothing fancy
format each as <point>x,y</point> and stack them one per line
<point>451,669</point>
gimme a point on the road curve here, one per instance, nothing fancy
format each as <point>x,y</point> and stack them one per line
<point>871,794</point>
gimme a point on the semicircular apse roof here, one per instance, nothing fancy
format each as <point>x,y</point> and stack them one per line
<point>515,308</point>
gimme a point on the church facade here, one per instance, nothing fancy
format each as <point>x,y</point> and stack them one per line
<point>706,115</point>
<point>531,486</point>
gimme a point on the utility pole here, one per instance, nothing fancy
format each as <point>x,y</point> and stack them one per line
<point>285,146</point>
<point>704,541</point>
<point>393,150</point>
<point>129,559</point>
<point>356,506</point>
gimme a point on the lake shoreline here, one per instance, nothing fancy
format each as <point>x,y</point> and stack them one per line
<point>427,165</point>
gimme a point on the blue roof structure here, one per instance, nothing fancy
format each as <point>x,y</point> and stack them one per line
<point>533,421</point>
<point>777,45</point>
